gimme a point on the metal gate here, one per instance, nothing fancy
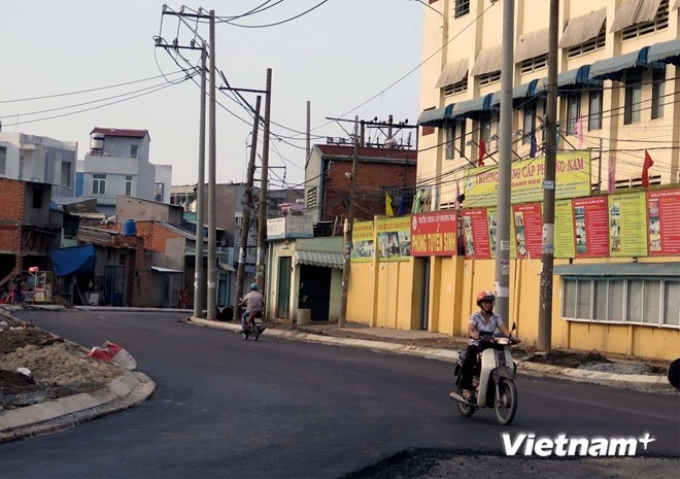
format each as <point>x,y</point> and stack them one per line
<point>115,285</point>
<point>283,289</point>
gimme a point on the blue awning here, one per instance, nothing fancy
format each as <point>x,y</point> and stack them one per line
<point>435,117</point>
<point>577,76</point>
<point>470,108</point>
<point>613,68</point>
<point>619,269</point>
<point>74,260</point>
<point>666,52</point>
<point>519,93</point>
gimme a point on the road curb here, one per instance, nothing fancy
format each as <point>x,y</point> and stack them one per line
<point>629,381</point>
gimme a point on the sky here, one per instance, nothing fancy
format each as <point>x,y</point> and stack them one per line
<point>338,56</point>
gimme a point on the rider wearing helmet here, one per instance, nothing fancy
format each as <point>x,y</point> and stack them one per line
<point>251,302</point>
<point>482,321</point>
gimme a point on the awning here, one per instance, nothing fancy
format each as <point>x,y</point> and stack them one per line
<point>74,260</point>
<point>488,60</point>
<point>328,259</point>
<point>226,266</point>
<point>519,93</point>
<point>667,52</point>
<point>160,269</point>
<point>577,76</point>
<point>632,12</point>
<point>581,29</point>
<point>613,68</point>
<point>531,45</point>
<point>452,73</point>
<point>470,108</point>
<point>435,117</point>
<point>619,269</point>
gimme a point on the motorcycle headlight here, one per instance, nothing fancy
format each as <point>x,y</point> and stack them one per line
<point>503,340</point>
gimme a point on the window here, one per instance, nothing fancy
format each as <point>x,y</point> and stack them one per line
<point>311,197</point>
<point>590,45</point>
<point>457,87</point>
<point>98,184</point>
<point>462,8</point>
<point>633,97</point>
<point>66,174</point>
<point>573,111</point>
<point>487,78</point>
<point>659,22</point>
<point>37,198</point>
<point>3,160</point>
<point>158,190</point>
<point>128,185</point>
<point>595,109</point>
<point>658,92</point>
<point>133,151</point>
<point>21,167</point>
<point>455,131</point>
<point>528,122</point>
<point>651,301</point>
<point>533,64</point>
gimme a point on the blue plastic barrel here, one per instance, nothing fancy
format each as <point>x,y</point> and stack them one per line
<point>129,227</point>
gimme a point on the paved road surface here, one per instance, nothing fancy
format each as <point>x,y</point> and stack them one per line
<point>277,409</point>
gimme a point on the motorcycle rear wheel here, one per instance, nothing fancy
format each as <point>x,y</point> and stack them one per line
<point>464,409</point>
<point>505,404</point>
<point>255,330</point>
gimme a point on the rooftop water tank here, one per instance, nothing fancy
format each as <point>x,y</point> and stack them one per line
<point>97,142</point>
<point>129,227</point>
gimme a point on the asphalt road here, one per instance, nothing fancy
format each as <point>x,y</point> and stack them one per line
<point>227,408</point>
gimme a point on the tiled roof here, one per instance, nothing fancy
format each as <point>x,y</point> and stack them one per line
<point>121,132</point>
<point>384,153</point>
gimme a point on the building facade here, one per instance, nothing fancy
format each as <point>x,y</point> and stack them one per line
<point>617,263</point>
<point>39,159</point>
<point>118,164</point>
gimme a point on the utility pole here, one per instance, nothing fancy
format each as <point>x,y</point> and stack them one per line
<point>262,211</point>
<point>247,206</point>
<point>502,272</point>
<point>548,247</point>
<point>199,280</point>
<point>308,142</point>
<point>342,319</point>
<point>212,167</point>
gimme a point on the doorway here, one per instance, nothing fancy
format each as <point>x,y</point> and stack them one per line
<point>423,266</point>
<point>315,291</point>
<point>283,294</point>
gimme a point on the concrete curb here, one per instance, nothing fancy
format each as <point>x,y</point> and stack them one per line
<point>130,389</point>
<point>629,381</point>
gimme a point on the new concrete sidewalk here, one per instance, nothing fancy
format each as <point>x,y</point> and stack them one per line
<point>134,387</point>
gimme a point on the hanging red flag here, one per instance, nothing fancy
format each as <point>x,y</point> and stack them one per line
<point>645,169</point>
<point>482,152</point>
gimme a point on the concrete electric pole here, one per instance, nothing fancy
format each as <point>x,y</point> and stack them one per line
<point>548,248</point>
<point>212,170</point>
<point>262,210</point>
<point>199,279</point>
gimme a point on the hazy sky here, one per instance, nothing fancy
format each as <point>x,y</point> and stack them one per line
<point>338,56</point>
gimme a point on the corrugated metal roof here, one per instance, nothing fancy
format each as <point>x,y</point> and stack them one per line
<point>121,133</point>
<point>613,68</point>
<point>532,44</point>
<point>667,52</point>
<point>583,28</point>
<point>160,269</point>
<point>435,117</point>
<point>452,73</point>
<point>329,259</point>
<point>632,12</point>
<point>619,269</point>
<point>488,60</point>
<point>472,107</point>
<point>346,152</point>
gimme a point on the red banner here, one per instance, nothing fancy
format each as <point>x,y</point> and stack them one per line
<point>434,234</point>
<point>528,221</point>
<point>591,226</point>
<point>476,234</point>
<point>663,217</point>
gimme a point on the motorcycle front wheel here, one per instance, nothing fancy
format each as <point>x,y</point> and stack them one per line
<point>464,409</point>
<point>505,403</point>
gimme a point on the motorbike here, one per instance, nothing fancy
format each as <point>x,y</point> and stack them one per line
<point>493,381</point>
<point>254,326</point>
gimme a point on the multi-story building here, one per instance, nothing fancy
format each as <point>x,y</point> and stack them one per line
<point>39,159</point>
<point>617,272</point>
<point>118,164</point>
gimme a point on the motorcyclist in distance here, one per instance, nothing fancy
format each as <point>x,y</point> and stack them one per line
<point>482,321</point>
<point>251,302</point>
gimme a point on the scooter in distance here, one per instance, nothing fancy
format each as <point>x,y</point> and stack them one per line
<point>494,380</point>
<point>254,326</point>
